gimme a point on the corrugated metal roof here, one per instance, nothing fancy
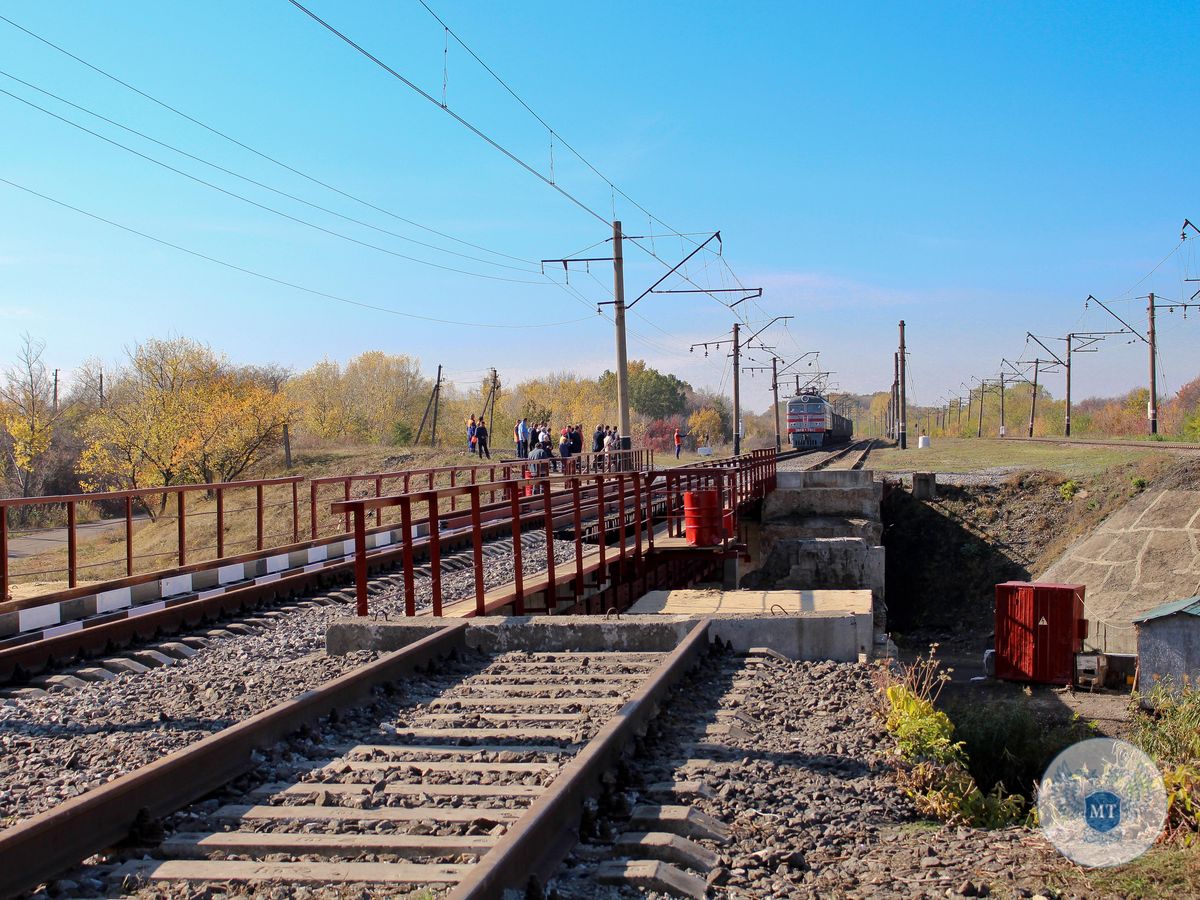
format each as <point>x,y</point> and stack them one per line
<point>1189,605</point>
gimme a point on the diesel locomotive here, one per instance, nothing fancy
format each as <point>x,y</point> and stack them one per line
<point>811,422</point>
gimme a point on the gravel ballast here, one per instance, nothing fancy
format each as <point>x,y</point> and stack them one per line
<point>802,780</point>
<point>55,747</point>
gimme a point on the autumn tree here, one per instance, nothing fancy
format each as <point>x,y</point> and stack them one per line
<point>178,413</point>
<point>363,402</point>
<point>704,427</point>
<point>30,418</point>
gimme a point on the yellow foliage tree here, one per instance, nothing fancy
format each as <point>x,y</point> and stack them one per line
<point>29,416</point>
<point>178,413</point>
<point>704,426</point>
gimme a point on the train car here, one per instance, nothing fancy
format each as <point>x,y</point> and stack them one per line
<point>811,422</point>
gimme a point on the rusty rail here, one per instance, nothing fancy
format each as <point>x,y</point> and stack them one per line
<point>48,843</point>
<point>540,839</point>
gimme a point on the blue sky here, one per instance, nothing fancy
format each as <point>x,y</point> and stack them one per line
<point>974,168</point>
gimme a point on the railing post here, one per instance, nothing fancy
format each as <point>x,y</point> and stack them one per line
<point>128,537</point>
<point>346,497</point>
<point>378,494</point>
<point>295,512</point>
<point>477,549</point>
<point>435,551</point>
<point>182,528</point>
<point>518,574</point>
<point>603,535</point>
<point>3,553</point>
<point>406,539</point>
<point>621,520</point>
<point>577,501</point>
<point>220,523</point>
<point>551,590</point>
<point>72,545</point>
<point>454,499</point>
<point>637,517</point>
<point>312,494</point>
<point>360,559</point>
<point>258,516</point>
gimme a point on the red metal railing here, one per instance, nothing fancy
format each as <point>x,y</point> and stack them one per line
<point>147,498</point>
<point>620,502</point>
<point>277,519</point>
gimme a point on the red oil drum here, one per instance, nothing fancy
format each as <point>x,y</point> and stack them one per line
<point>703,520</point>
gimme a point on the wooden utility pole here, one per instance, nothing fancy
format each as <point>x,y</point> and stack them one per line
<point>737,399</point>
<point>622,354</point>
<point>1067,420</point>
<point>102,387</point>
<point>775,393</point>
<point>437,396</point>
<point>56,392</point>
<point>1152,406</point>
<point>903,393</point>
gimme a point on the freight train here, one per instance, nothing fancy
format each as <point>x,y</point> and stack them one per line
<point>811,422</point>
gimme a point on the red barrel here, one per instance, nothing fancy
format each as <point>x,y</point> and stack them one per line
<point>702,518</point>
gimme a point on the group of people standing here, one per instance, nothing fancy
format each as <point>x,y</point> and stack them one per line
<point>477,438</point>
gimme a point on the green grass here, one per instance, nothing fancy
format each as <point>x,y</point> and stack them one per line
<point>974,455</point>
<point>1168,871</point>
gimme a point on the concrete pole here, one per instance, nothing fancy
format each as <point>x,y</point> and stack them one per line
<point>619,321</point>
<point>737,399</point>
<point>775,392</point>
<point>979,431</point>
<point>1152,407</point>
<point>1070,343</point>
<point>903,394</point>
<point>896,397</point>
<point>1033,397</point>
<point>1002,422</point>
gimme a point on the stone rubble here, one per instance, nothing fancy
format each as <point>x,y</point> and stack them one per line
<point>57,745</point>
<point>803,782</point>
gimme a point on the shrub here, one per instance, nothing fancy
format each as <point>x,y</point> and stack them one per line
<point>1008,747</point>
<point>1068,489</point>
<point>1139,483</point>
<point>1170,734</point>
<point>935,769</point>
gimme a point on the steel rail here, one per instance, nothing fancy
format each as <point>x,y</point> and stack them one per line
<point>543,836</point>
<point>59,838</point>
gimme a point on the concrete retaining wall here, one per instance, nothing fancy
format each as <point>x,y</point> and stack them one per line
<point>807,636</point>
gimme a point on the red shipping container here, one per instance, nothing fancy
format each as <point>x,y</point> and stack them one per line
<point>1039,629</point>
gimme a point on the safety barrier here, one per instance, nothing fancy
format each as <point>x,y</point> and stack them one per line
<point>623,502</point>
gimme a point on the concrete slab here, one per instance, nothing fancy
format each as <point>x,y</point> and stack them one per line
<point>815,635</point>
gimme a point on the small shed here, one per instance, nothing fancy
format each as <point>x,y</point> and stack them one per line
<point>1168,641</point>
<point>1039,629</point>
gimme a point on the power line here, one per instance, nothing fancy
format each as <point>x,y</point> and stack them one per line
<point>273,279</point>
<point>483,135</point>
<point>259,153</point>
<point>263,206</point>
<point>252,181</point>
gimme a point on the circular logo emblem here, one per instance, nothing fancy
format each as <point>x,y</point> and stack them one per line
<point>1102,802</point>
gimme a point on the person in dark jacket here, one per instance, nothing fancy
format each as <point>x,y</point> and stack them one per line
<point>481,439</point>
<point>598,439</point>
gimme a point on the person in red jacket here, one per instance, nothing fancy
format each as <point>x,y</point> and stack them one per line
<point>678,443</point>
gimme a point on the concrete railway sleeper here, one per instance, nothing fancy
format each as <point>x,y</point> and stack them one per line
<point>432,773</point>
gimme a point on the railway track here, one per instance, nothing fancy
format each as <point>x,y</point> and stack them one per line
<point>471,782</point>
<point>73,652</point>
<point>1129,445</point>
<point>826,458</point>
